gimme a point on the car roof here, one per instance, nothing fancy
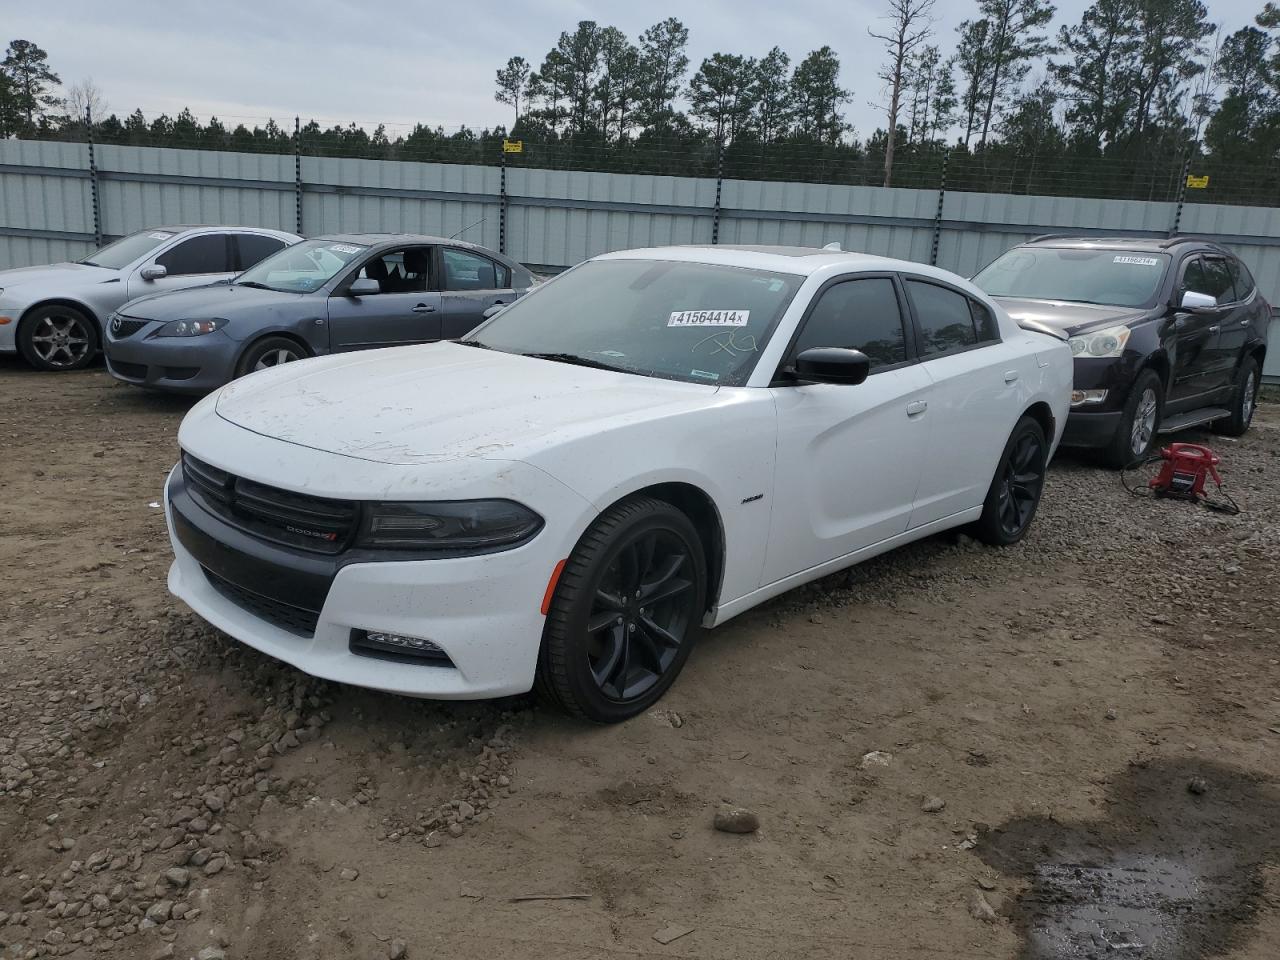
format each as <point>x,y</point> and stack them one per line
<point>780,259</point>
<point>395,239</point>
<point>1153,244</point>
<point>184,227</point>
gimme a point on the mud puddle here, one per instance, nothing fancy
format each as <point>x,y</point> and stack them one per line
<point>1173,871</point>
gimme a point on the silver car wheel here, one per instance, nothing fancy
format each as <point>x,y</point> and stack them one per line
<point>60,341</point>
<point>1144,422</point>
<point>274,358</point>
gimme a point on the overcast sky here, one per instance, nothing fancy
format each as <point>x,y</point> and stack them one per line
<point>406,62</point>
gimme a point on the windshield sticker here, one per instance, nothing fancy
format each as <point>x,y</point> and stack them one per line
<point>1139,261</point>
<point>344,248</point>
<point>704,374</point>
<point>709,318</point>
<point>160,236</point>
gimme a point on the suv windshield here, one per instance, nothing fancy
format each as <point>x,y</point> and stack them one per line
<point>124,251</point>
<point>1122,278</point>
<point>304,267</point>
<point>696,322</point>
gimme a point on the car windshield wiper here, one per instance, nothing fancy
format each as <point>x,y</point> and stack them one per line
<point>578,360</point>
<point>473,343</point>
<point>255,284</point>
<point>89,263</point>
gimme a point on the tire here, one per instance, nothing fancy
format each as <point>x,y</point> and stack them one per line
<point>58,338</point>
<point>1244,400</point>
<point>1135,438</point>
<point>1015,491</point>
<point>269,352</point>
<point>623,666</point>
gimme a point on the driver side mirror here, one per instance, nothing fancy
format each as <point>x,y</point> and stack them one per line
<point>364,287</point>
<point>832,365</point>
<point>154,272</point>
<point>1195,302</point>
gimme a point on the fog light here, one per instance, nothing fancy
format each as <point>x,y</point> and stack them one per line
<point>397,646</point>
<point>1082,397</point>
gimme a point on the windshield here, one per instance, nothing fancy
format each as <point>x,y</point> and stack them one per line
<point>303,267</point>
<point>1122,278</point>
<point>115,256</point>
<point>696,322</point>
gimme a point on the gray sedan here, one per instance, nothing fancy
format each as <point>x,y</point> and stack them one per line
<point>327,295</point>
<point>53,314</point>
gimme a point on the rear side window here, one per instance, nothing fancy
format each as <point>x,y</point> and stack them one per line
<point>858,315</point>
<point>984,322</point>
<point>254,247</point>
<point>464,270</point>
<point>1218,277</point>
<point>945,318</point>
<point>1241,278</point>
<point>203,254</point>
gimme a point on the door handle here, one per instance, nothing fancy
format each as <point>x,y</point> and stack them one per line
<point>917,407</point>
<point>1011,376</point>
<point>1245,322</point>
<point>424,308</point>
<point>1215,328</point>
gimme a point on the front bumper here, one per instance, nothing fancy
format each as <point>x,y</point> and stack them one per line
<point>192,365</point>
<point>1086,429</point>
<point>483,611</point>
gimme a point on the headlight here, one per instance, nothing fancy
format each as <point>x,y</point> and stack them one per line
<point>1100,343</point>
<point>472,525</point>
<point>190,328</point>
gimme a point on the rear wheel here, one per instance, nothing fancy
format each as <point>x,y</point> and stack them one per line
<point>1015,491</point>
<point>58,338</point>
<point>269,352</point>
<point>1244,400</point>
<point>625,613</point>
<point>1136,435</point>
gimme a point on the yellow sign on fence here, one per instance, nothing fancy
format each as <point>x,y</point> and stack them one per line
<point>513,146</point>
<point>1197,183</point>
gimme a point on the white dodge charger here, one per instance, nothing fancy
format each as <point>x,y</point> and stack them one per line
<point>651,443</point>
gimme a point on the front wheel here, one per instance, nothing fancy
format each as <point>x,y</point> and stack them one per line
<point>1015,491</point>
<point>269,352</point>
<point>1244,400</point>
<point>58,338</point>
<point>1136,435</point>
<point>625,613</point>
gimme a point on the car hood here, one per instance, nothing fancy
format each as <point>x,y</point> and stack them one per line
<point>444,401</point>
<point>1065,316</point>
<point>214,300</point>
<point>57,274</point>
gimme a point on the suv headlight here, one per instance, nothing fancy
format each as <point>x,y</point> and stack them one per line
<point>1100,343</point>
<point>468,525</point>
<point>190,328</point>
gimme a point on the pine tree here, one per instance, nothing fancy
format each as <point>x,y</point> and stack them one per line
<point>30,82</point>
<point>512,80</point>
<point>722,94</point>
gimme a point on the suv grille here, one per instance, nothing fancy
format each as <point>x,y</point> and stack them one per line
<point>294,519</point>
<point>283,615</point>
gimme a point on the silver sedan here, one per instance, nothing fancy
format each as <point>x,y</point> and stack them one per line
<point>53,315</point>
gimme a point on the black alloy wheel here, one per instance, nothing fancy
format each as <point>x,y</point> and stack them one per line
<point>625,613</point>
<point>1015,491</point>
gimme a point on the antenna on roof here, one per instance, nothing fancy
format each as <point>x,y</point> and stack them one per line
<point>834,245</point>
<point>465,229</point>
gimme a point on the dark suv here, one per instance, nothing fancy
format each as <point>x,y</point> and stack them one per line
<point>1167,334</point>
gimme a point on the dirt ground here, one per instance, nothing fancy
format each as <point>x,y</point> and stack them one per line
<point>1096,711</point>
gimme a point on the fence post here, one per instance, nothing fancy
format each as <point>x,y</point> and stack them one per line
<point>93,180</point>
<point>937,219</point>
<point>297,174</point>
<point>1182,193</point>
<point>502,204</point>
<point>715,217</point>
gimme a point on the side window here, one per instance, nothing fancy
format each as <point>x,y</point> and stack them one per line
<point>464,270</point>
<point>1241,278</point>
<point>503,275</point>
<point>1219,280</point>
<point>945,319</point>
<point>984,322</point>
<point>253,247</point>
<point>861,315</point>
<point>1195,279</point>
<point>207,253</point>
<point>400,271</point>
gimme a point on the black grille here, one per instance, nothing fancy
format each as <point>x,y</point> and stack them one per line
<point>282,516</point>
<point>122,327</point>
<point>283,615</point>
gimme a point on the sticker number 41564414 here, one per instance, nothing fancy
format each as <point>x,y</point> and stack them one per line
<point>709,318</point>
